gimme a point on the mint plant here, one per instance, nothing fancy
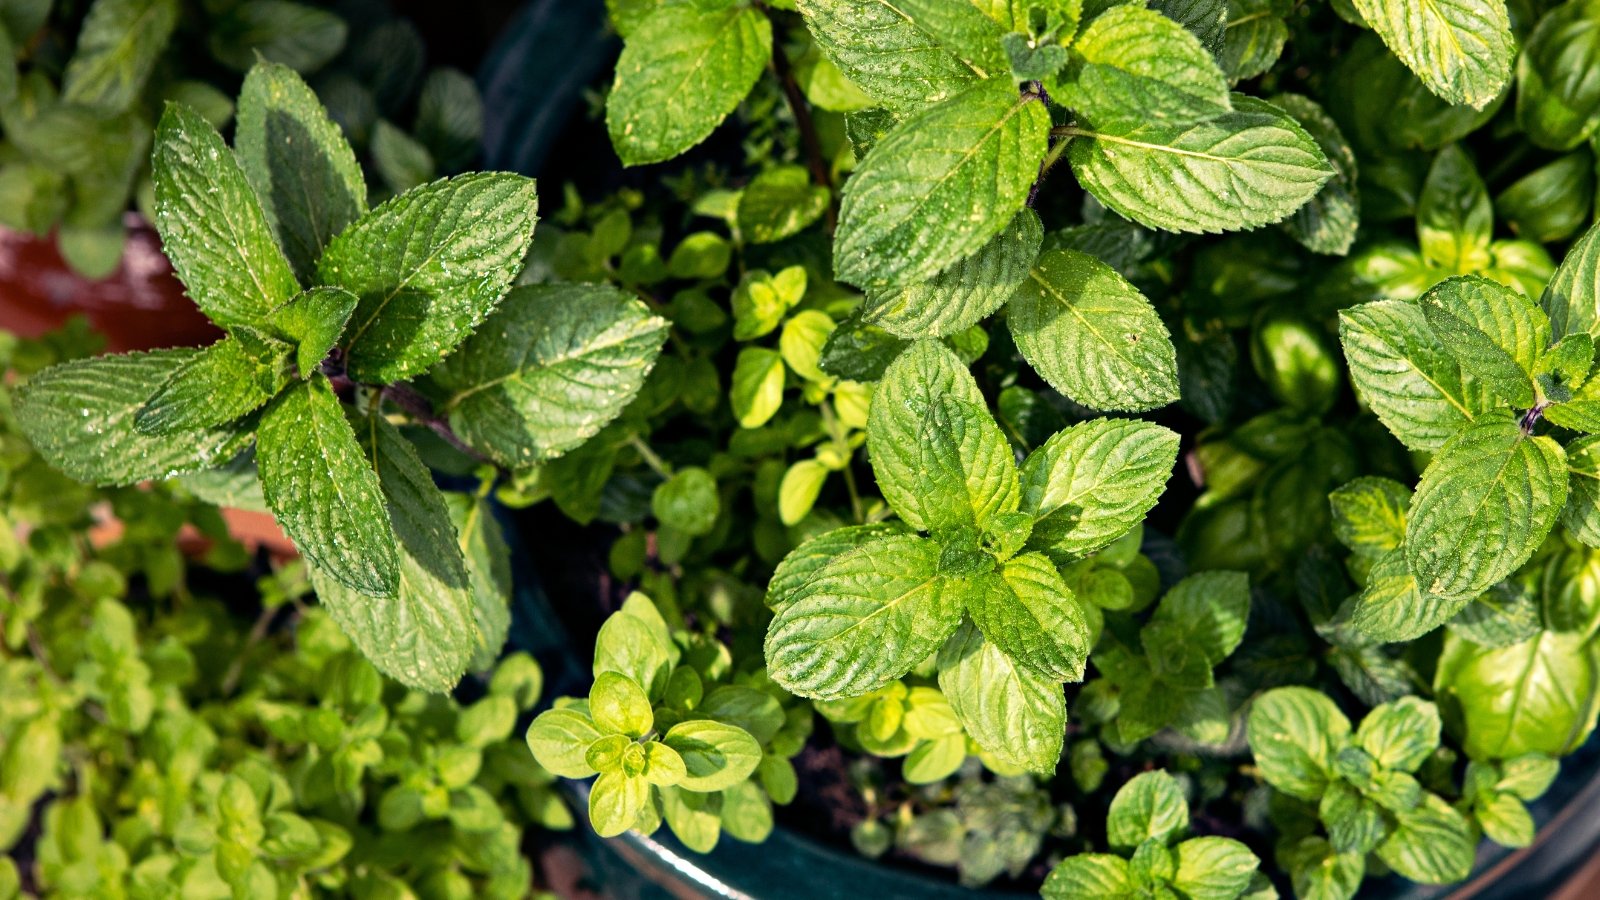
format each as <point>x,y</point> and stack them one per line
<point>1147,821</point>
<point>335,313</point>
<point>983,589</point>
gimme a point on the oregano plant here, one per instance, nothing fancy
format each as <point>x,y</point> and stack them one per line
<point>343,326</point>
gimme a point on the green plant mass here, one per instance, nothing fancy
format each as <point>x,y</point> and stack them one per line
<point>1102,449</point>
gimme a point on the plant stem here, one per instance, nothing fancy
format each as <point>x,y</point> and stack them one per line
<point>830,421</point>
<point>257,631</point>
<point>420,409</point>
<point>802,118</point>
<point>656,463</point>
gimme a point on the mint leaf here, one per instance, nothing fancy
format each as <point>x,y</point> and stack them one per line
<point>684,68</point>
<point>1090,484</point>
<point>1210,610</point>
<point>1150,806</point>
<point>1090,876</point>
<point>425,636</point>
<point>313,321</point>
<point>223,382</point>
<point>1391,609</point>
<point>1397,366</point>
<point>1549,679</point>
<point>548,370</point>
<point>1485,503</point>
<point>324,492</point>
<point>940,459</point>
<point>939,186</point>
<point>1495,333</point>
<point>1455,219</point>
<point>117,50</point>
<point>488,562</point>
<point>429,267</point>
<point>1554,109</point>
<point>1581,515</point>
<point>803,563</point>
<point>1320,872</point>
<point>1461,49</point>
<point>864,620</point>
<point>1141,68</point>
<point>965,293</point>
<point>212,226</point>
<point>1329,221</point>
<point>1572,298</point>
<point>1433,844</point>
<point>1581,411</point>
<point>80,416</point>
<point>906,54</point>
<point>1031,615</point>
<point>1254,38</point>
<point>1369,514</point>
<point>1011,713</point>
<point>1402,734</point>
<point>780,202</point>
<point>299,163</point>
<point>1246,168</point>
<point>1092,335</point>
<point>1294,733</point>
<point>1214,868</point>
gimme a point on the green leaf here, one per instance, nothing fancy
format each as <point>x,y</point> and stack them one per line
<point>864,620</point>
<point>80,416</point>
<point>940,459</point>
<point>636,642</point>
<point>1210,610</point>
<point>300,36</point>
<point>797,570</point>
<point>694,818</point>
<point>117,50</point>
<point>1485,503</point>
<point>755,711</point>
<point>1495,333</point>
<point>1572,298</point>
<point>687,501</point>
<point>429,267</point>
<point>299,163</point>
<point>1090,876</point>
<point>1538,696</point>
<point>717,756</point>
<point>1150,806</point>
<point>1092,335</point>
<point>619,706</point>
<point>935,760</point>
<point>1321,873</point>
<point>1558,104</point>
<point>1505,820</point>
<point>324,492</point>
<point>684,68</point>
<point>615,801</point>
<point>548,370</point>
<point>1402,734</point>
<point>1354,823</point>
<point>1010,712</point>
<point>939,186</point>
<point>1031,615</point>
<point>757,389</point>
<point>1581,515</point>
<point>488,560</point>
<point>1461,49</point>
<point>908,54</point>
<point>401,160</point>
<point>798,491</point>
<point>804,336</point>
<point>313,321</point>
<point>1528,776</point>
<point>1455,219</point>
<point>1247,168</point>
<point>450,118</point>
<point>1433,844</point>
<point>426,635</point>
<point>780,202</point>
<point>212,226</point>
<point>1214,868</point>
<point>1402,373</point>
<point>1294,733</point>
<point>1140,68</point>
<point>223,382</point>
<point>1088,485</point>
<point>1254,38</point>
<point>965,293</point>
<point>1329,222</point>
<point>1392,610</point>
<point>1369,514</point>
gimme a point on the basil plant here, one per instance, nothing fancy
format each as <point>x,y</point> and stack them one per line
<point>346,328</point>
